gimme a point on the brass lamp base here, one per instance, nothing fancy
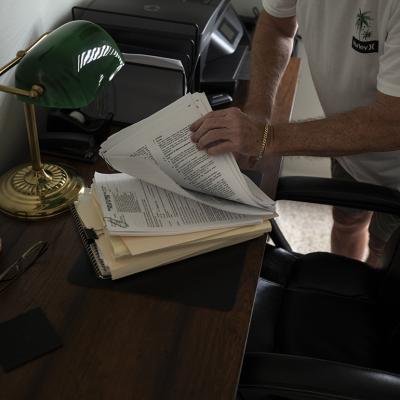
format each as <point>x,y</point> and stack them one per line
<point>37,194</point>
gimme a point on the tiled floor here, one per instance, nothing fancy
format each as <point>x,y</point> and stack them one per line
<point>306,227</point>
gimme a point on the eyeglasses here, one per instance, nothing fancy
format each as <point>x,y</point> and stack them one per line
<point>16,269</point>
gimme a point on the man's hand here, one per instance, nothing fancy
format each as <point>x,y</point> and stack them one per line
<point>228,130</point>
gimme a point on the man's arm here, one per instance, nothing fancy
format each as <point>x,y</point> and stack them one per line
<point>270,52</point>
<point>271,48</point>
<point>372,128</point>
<point>365,129</point>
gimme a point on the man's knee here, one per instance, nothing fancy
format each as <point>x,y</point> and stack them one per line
<point>349,219</point>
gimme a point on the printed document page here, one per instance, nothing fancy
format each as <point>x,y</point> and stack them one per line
<point>134,207</point>
<point>92,216</point>
<point>164,140</point>
<point>123,246</point>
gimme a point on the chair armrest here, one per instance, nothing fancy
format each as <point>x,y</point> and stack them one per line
<point>339,193</point>
<point>296,377</point>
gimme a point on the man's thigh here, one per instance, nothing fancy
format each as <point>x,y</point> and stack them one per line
<point>382,225</point>
<point>352,217</point>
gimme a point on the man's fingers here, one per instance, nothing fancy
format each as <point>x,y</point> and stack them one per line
<point>208,125</point>
<point>212,136</point>
<point>212,114</point>
<point>220,131</point>
<point>220,148</point>
<point>196,125</point>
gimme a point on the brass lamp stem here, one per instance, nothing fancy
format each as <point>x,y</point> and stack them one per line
<point>30,119</point>
<point>35,90</point>
<point>20,55</point>
<point>11,64</point>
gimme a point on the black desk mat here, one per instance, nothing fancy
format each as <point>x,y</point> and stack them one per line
<point>209,280</point>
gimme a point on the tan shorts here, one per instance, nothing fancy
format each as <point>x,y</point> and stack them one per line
<point>382,225</point>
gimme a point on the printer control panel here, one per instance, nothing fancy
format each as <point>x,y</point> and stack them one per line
<point>226,35</point>
<point>228,31</point>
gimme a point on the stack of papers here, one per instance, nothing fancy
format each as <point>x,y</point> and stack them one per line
<point>169,200</point>
<point>165,174</point>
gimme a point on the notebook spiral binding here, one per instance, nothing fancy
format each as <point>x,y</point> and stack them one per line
<point>88,237</point>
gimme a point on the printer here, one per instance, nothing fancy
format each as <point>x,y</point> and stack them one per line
<point>169,47</point>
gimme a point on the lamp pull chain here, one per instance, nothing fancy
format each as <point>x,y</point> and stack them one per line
<point>30,118</point>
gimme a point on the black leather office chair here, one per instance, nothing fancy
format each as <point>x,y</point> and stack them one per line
<point>325,326</point>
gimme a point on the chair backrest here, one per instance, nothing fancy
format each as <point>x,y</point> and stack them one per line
<point>389,300</point>
<point>390,289</point>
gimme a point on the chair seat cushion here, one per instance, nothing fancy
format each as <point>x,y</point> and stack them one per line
<point>330,327</point>
<point>321,271</point>
<point>321,305</point>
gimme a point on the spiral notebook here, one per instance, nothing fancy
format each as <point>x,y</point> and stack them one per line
<point>114,257</point>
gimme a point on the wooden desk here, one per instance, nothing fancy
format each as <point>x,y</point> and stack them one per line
<point>176,332</point>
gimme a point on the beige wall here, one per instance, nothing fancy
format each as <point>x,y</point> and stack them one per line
<point>21,21</point>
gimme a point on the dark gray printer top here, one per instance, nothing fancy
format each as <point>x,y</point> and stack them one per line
<point>197,12</point>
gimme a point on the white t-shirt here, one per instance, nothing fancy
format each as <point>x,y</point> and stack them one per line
<point>353,49</point>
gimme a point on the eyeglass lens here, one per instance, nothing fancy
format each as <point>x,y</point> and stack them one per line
<point>24,262</point>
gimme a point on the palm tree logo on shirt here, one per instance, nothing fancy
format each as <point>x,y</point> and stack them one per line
<point>364,30</point>
<point>363,24</point>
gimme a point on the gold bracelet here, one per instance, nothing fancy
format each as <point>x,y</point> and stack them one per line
<point>265,139</point>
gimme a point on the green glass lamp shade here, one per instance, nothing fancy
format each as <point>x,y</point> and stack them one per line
<point>72,63</point>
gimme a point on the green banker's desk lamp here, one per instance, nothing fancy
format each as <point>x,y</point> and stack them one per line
<point>65,68</point>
